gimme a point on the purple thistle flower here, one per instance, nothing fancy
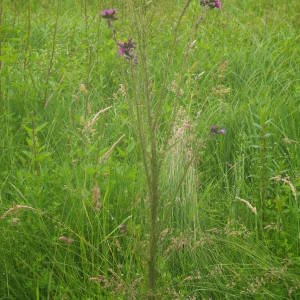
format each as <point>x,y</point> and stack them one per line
<point>211,3</point>
<point>222,131</point>
<point>218,4</point>
<point>109,14</point>
<point>121,50</point>
<point>215,130</point>
<point>126,49</point>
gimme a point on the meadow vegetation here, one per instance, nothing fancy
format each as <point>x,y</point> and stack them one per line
<point>165,170</point>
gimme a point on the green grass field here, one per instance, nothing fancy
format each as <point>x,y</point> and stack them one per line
<point>103,159</point>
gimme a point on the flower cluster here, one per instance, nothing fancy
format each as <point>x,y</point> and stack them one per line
<point>216,130</point>
<point>211,3</point>
<point>126,49</point>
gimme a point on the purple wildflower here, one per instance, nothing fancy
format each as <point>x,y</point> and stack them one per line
<point>121,50</point>
<point>215,130</point>
<point>109,14</point>
<point>126,49</point>
<point>211,3</point>
<point>218,4</point>
<point>222,131</point>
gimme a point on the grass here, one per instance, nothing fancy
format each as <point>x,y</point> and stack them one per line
<point>59,67</point>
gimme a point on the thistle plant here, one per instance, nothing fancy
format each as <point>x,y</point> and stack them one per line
<point>148,117</point>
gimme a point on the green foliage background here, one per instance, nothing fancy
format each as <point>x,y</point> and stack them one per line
<point>242,74</point>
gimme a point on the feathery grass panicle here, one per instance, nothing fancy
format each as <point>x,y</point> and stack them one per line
<point>65,239</point>
<point>90,124</point>
<point>15,209</point>
<point>107,154</point>
<point>96,198</point>
<point>248,204</point>
<point>286,180</point>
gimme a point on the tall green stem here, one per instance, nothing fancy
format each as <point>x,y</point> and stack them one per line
<point>51,62</point>
<point>26,57</point>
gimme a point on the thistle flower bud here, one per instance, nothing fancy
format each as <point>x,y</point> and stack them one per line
<point>216,130</point>
<point>109,14</point>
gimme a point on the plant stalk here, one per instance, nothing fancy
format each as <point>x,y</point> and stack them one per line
<point>51,62</point>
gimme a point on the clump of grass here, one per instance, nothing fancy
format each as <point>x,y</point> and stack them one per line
<point>148,118</point>
<point>179,179</point>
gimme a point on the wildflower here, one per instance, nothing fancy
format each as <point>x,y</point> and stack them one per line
<point>126,49</point>
<point>215,130</point>
<point>218,4</point>
<point>211,3</point>
<point>222,131</point>
<point>122,49</point>
<point>109,14</point>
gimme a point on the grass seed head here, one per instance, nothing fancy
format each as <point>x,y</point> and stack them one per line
<point>96,198</point>
<point>15,209</point>
<point>123,229</point>
<point>65,239</point>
